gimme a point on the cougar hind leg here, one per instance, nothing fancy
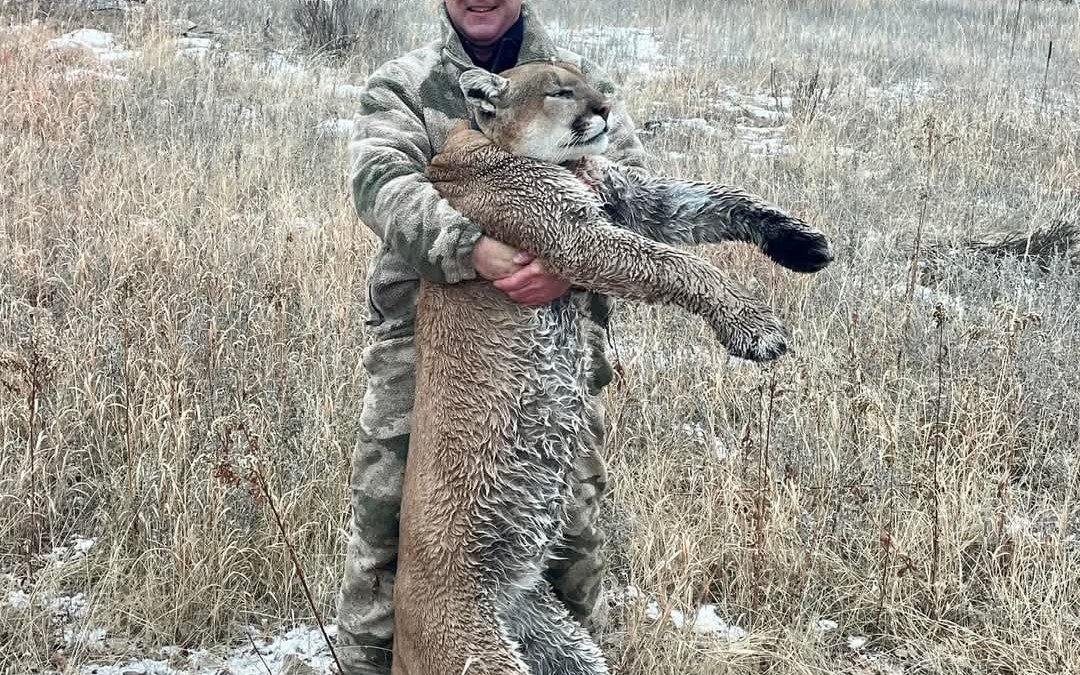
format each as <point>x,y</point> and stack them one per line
<point>550,641</point>
<point>456,636</point>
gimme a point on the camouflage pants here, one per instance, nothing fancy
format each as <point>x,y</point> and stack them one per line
<point>365,612</point>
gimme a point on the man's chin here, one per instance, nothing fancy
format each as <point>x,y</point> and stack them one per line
<point>483,31</point>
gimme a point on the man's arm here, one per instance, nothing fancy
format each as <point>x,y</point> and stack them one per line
<point>390,150</point>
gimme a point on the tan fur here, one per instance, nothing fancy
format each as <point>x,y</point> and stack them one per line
<point>477,352</point>
<point>545,112</point>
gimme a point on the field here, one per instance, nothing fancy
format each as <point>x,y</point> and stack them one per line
<point>182,291</point>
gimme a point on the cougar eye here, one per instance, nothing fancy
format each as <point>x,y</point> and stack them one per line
<point>562,93</point>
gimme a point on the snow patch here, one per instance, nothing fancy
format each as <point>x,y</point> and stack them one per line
<point>653,613</point>
<point>617,42</point>
<point>303,643</point>
<point>1017,526</point>
<point>18,599</point>
<point>906,92</point>
<point>705,621</point>
<point>825,625</point>
<point>700,437</point>
<point>753,124</point>
<point>67,607</point>
<point>89,637</point>
<point>89,38</point>
<point>929,297</point>
<point>76,550</point>
<point>280,67</point>
<point>768,147</point>
<point>195,48</point>
<point>195,43</point>
<point>113,5</point>
<point>101,44</point>
<point>878,664</point>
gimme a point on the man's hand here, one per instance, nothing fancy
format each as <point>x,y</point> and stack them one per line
<point>516,273</point>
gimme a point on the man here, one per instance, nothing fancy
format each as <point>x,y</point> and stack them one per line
<point>407,110</point>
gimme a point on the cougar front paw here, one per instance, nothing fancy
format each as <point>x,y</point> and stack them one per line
<point>797,246</point>
<point>759,336</point>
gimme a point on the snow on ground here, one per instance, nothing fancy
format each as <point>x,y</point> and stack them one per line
<point>901,93</point>
<point>752,124</point>
<point>17,599</point>
<point>625,44</point>
<point>705,621</point>
<point>856,642</point>
<point>92,638</point>
<point>304,643</point>
<point>755,124</point>
<point>195,47</point>
<point>113,5</point>
<point>90,38</point>
<point>71,616</point>
<point>78,548</point>
<point>101,44</point>
<point>279,68</point>
<point>700,437</point>
<point>931,297</point>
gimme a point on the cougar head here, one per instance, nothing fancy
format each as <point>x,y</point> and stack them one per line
<point>545,111</point>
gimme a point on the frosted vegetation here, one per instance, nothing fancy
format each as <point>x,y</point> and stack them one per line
<point>182,301</point>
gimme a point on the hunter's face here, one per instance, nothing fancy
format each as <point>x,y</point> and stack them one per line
<point>483,21</point>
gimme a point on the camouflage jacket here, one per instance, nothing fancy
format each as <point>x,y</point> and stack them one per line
<point>406,112</point>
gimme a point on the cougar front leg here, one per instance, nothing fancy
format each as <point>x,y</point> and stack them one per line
<point>610,260</point>
<point>688,212</point>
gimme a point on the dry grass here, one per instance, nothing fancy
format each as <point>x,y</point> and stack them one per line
<point>179,257</point>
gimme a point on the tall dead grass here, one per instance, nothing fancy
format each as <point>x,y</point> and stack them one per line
<point>179,257</point>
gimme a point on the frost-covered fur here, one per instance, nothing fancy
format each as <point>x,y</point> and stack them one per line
<point>502,406</point>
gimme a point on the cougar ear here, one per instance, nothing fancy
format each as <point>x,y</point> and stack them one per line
<point>483,89</point>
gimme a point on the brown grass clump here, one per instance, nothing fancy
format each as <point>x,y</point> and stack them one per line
<point>900,494</point>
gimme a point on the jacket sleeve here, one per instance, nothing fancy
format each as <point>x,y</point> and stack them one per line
<point>389,151</point>
<point>624,146</point>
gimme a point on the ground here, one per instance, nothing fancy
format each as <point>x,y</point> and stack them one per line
<point>182,300</point>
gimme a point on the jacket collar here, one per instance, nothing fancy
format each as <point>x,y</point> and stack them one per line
<point>536,44</point>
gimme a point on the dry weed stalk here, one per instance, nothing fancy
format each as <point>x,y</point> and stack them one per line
<point>936,439</point>
<point>259,489</point>
<point>28,377</point>
<point>762,495</point>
